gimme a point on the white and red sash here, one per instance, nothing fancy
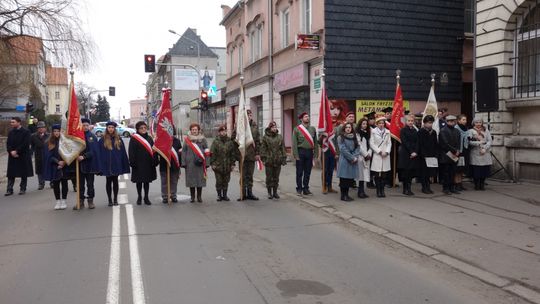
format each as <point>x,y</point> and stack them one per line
<point>260,165</point>
<point>144,143</point>
<point>198,152</point>
<point>306,134</point>
<point>329,144</point>
<point>174,157</point>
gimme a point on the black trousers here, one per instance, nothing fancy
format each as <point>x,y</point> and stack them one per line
<point>448,171</point>
<point>86,182</point>
<point>329,166</point>
<point>111,184</point>
<point>303,169</point>
<point>11,183</point>
<point>56,188</point>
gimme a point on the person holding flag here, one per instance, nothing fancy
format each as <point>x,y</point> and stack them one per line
<point>195,156</point>
<point>56,170</point>
<point>143,161</point>
<point>328,142</point>
<point>251,156</point>
<point>113,161</point>
<point>224,156</point>
<point>89,166</point>
<point>274,156</point>
<point>174,162</point>
<point>304,151</point>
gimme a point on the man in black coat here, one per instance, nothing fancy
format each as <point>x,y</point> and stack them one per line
<point>89,166</point>
<point>449,141</point>
<point>38,141</point>
<point>20,157</point>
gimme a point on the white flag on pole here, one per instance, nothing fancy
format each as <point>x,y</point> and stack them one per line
<point>244,138</point>
<point>432,109</point>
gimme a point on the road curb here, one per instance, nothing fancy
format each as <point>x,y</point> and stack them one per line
<point>469,269</point>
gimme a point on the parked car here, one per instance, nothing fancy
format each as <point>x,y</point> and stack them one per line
<point>100,128</point>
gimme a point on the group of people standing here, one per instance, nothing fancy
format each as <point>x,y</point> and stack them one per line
<point>364,154</point>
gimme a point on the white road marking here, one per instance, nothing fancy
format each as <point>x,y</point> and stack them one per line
<point>122,199</point>
<point>126,176</point>
<point>122,185</point>
<point>136,273</point>
<point>113,286</point>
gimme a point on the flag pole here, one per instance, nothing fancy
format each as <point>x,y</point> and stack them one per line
<point>78,184</point>
<point>394,157</point>
<point>169,183</point>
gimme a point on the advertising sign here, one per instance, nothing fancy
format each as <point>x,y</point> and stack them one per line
<point>307,42</point>
<point>364,107</point>
<point>187,79</point>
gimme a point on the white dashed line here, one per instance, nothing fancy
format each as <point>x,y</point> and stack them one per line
<point>113,286</point>
<point>122,185</point>
<point>122,199</point>
<point>136,273</point>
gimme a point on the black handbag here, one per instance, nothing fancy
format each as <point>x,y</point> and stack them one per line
<point>198,162</point>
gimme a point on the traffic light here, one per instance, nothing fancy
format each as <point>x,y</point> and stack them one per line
<point>112,91</point>
<point>29,107</point>
<point>204,100</point>
<point>149,63</point>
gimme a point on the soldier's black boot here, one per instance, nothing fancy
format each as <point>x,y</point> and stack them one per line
<point>219,195</point>
<point>192,193</point>
<point>250,195</point>
<point>276,196</point>
<point>270,194</point>
<point>224,195</point>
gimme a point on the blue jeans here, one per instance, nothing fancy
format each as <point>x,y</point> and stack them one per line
<point>329,166</point>
<point>303,168</point>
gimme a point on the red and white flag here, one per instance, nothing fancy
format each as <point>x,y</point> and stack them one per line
<point>432,109</point>
<point>325,123</point>
<point>72,140</point>
<point>396,124</point>
<point>165,127</point>
<point>244,138</point>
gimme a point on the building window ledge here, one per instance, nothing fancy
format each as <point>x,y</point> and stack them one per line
<point>256,62</point>
<point>289,47</point>
<point>523,102</point>
<point>522,141</point>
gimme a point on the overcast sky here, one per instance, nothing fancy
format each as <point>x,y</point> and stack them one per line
<point>125,31</point>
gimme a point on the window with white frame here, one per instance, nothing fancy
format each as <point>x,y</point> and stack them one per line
<point>285,26</point>
<point>255,41</point>
<point>306,16</point>
<point>527,61</point>
<point>57,108</point>
<point>56,95</point>
<point>231,61</point>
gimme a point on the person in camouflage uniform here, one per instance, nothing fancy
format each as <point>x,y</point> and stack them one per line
<point>224,156</point>
<point>273,156</point>
<point>252,155</point>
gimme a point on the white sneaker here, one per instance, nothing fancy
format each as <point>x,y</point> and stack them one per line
<point>58,204</point>
<point>63,204</point>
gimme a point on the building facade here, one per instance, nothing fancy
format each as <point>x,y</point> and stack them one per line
<point>361,45</point>
<point>22,75</point>
<point>137,110</point>
<point>57,90</point>
<point>507,39</point>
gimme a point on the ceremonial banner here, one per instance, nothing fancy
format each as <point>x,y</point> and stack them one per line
<point>325,123</point>
<point>244,138</point>
<point>397,114</point>
<point>72,140</point>
<point>164,129</point>
<point>431,109</point>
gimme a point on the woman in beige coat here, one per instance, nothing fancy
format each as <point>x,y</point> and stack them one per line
<point>381,145</point>
<point>480,153</point>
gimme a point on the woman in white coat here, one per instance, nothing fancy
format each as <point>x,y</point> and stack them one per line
<point>381,145</point>
<point>363,132</point>
<point>480,156</point>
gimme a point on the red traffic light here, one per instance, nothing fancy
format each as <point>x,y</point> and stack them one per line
<point>149,63</point>
<point>149,58</point>
<point>204,95</point>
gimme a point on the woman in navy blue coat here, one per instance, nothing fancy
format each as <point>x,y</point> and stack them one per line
<point>56,170</point>
<point>113,161</point>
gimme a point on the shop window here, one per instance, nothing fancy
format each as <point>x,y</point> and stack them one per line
<point>301,103</point>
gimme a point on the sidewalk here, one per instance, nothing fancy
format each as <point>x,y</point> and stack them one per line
<point>492,235</point>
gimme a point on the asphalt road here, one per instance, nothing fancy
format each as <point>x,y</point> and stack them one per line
<point>235,252</point>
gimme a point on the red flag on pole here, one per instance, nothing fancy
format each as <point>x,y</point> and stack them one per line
<point>325,123</point>
<point>72,141</point>
<point>164,129</point>
<point>397,114</point>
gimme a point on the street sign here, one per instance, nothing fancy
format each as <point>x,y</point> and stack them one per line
<point>307,41</point>
<point>212,91</point>
<point>20,108</point>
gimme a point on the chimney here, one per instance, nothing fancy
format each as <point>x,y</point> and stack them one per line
<point>194,30</point>
<point>225,9</point>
